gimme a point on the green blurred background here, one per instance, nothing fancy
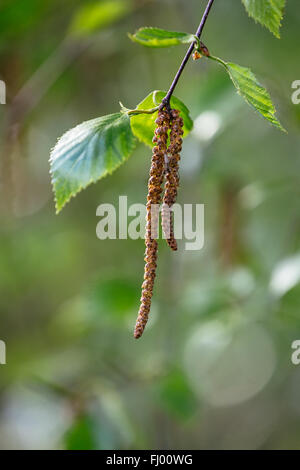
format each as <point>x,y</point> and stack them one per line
<point>213,369</point>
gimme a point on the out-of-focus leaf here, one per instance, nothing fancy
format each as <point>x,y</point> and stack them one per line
<point>143,125</point>
<point>176,396</point>
<point>252,91</point>
<point>114,298</point>
<point>269,13</point>
<point>286,275</point>
<point>223,365</point>
<point>89,152</point>
<point>23,15</point>
<point>97,15</point>
<point>80,436</point>
<point>156,37</point>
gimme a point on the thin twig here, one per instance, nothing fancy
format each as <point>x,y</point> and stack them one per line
<point>166,100</point>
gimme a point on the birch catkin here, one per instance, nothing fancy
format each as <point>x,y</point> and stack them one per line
<point>172,177</point>
<point>153,198</point>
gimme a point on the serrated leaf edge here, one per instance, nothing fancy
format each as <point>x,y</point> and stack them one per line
<point>226,65</point>
<point>276,34</point>
<point>92,181</point>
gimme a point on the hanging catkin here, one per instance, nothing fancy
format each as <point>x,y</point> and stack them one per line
<point>172,177</point>
<point>153,198</point>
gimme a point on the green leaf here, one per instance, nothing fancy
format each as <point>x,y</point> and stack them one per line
<point>98,15</point>
<point>156,37</point>
<point>80,436</point>
<point>176,396</point>
<point>269,13</point>
<point>114,299</point>
<point>250,89</point>
<point>89,152</point>
<point>143,125</point>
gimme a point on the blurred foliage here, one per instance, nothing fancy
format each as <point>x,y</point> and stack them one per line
<point>97,15</point>
<point>80,436</point>
<point>176,397</point>
<point>213,369</point>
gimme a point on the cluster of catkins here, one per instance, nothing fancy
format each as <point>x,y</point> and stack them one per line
<point>164,166</point>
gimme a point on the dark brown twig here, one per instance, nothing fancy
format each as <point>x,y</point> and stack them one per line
<point>166,100</point>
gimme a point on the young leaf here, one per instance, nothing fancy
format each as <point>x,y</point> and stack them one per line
<point>89,152</point>
<point>156,37</point>
<point>269,13</point>
<point>252,91</point>
<point>143,125</point>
